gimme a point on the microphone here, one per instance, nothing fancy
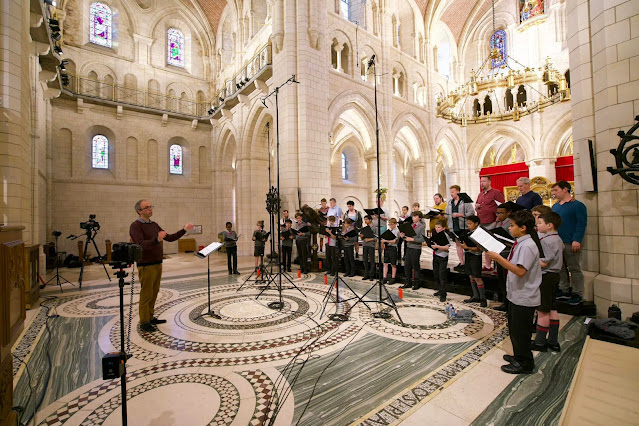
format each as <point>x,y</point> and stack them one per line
<point>371,61</point>
<point>264,102</point>
<point>294,79</point>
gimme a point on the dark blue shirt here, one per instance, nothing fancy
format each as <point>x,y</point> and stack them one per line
<point>574,218</point>
<point>530,200</point>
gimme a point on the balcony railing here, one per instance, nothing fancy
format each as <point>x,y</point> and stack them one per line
<point>120,94</point>
<point>258,63</point>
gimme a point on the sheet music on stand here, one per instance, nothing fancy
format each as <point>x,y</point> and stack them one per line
<point>486,241</point>
<point>206,251</point>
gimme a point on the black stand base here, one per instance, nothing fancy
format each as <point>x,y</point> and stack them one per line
<point>382,315</point>
<point>276,305</point>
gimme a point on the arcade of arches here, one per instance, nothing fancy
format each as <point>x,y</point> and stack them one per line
<point>168,100</point>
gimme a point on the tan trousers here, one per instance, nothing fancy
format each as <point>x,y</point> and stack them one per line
<point>150,281</point>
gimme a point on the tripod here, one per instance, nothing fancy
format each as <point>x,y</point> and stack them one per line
<point>121,274</point>
<point>336,281</point>
<point>385,297</point>
<point>90,234</point>
<point>59,279</point>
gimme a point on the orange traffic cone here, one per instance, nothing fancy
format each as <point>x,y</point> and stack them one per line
<point>299,273</point>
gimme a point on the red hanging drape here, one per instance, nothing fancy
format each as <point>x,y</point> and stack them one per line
<point>564,168</point>
<point>506,175</point>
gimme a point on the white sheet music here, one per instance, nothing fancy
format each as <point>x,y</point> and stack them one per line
<point>498,203</point>
<point>508,240</point>
<point>209,249</point>
<point>487,241</point>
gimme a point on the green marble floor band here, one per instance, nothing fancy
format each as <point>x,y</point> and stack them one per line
<point>369,371</point>
<point>538,399</point>
<point>75,358</point>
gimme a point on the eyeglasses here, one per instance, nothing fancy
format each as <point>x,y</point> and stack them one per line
<point>147,208</point>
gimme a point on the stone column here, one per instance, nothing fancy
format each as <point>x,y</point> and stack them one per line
<point>419,183</point>
<point>304,142</point>
<point>371,173</point>
<point>602,37</point>
<point>15,142</point>
<point>338,49</point>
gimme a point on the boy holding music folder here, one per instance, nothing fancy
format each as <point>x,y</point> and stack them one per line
<point>332,259</point>
<point>302,234</point>
<point>367,234</point>
<point>260,237</point>
<point>390,240</point>
<point>414,234</point>
<point>501,231</point>
<point>287,238</point>
<point>440,243</point>
<point>472,262</point>
<point>230,243</point>
<point>350,236</point>
<point>524,280</point>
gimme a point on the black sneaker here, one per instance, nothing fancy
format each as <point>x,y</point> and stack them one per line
<point>442,297</point>
<point>562,296</point>
<point>155,321</point>
<point>538,348</point>
<point>483,303</point>
<point>471,300</point>
<point>459,268</point>
<point>238,272</point>
<point>406,286</point>
<point>148,327</point>
<point>416,287</point>
<point>437,293</point>
<point>501,308</point>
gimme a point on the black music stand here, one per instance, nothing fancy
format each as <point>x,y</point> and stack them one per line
<point>206,253</point>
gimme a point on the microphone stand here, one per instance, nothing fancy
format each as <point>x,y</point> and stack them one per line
<point>384,297</point>
<point>275,205</point>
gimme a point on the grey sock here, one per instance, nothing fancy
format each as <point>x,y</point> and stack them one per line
<point>540,337</point>
<point>553,331</point>
<point>482,292</point>
<point>475,291</point>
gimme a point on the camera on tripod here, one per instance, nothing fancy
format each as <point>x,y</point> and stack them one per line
<point>124,254</point>
<point>91,224</point>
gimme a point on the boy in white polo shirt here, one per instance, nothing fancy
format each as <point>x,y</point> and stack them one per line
<point>522,290</point>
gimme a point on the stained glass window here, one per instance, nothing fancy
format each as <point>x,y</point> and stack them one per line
<point>344,167</point>
<point>100,24</point>
<point>175,160</point>
<point>344,8</point>
<point>498,41</point>
<point>175,47</point>
<point>100,152</point>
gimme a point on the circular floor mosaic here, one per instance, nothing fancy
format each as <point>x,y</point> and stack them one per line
<point>105,303</point>
<point>248,330</point>
<point>426,321</point>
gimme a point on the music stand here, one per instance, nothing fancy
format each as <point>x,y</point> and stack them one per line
<point>202,254</point>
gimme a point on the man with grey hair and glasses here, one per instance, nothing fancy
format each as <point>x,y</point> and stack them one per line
<point>150,236</point>
<point>528,198</point>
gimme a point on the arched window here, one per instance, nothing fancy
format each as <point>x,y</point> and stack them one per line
<point>498,41</point>
<point>100,24</point>
<point>344,167</point>
<point>510,103</point>
<point>175,160</point>
<point>344,8</point>
<point>100,152</point>
<point>175,47</point>
<point>476,108</point>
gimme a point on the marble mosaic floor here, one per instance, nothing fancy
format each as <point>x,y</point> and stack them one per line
<point>256,365</point>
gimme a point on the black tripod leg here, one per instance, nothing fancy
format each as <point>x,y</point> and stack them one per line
<point>100,257</point>
<point>84,256</point>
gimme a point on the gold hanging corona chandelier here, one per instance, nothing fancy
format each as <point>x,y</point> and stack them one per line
<point>452,107</point>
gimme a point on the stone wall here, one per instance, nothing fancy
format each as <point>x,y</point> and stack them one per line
<point>604,41</point>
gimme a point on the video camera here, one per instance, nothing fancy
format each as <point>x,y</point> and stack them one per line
<point>125,254</point>
<point>91,224</point>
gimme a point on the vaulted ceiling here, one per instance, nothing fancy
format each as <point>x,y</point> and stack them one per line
<point>456,14</point>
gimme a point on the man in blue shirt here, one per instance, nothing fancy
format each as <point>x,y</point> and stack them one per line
<point>528,198</point>
<point>574,218</point>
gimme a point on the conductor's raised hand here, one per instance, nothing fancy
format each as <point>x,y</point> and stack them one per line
<point>188,226</point>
